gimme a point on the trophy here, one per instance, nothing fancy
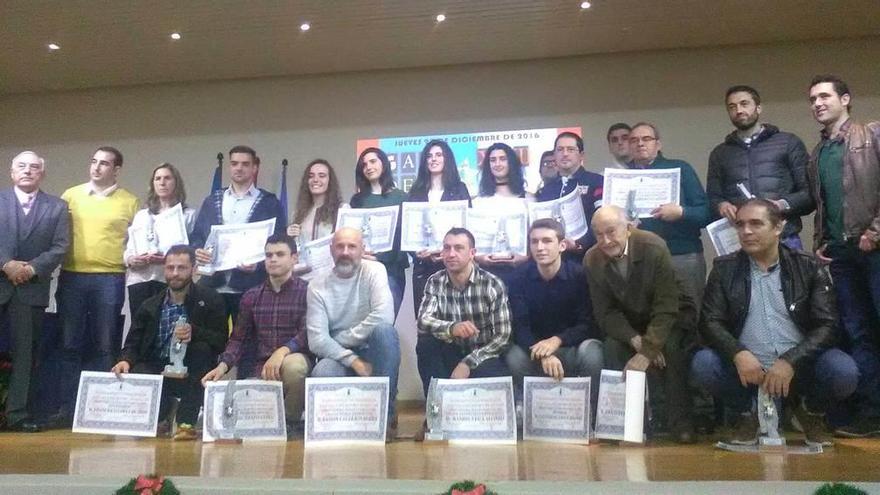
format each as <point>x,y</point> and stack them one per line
<point>228,416</point>
<point>556,214</point>
<point>427,230</point>
<point>207,269</point>
<point>366,233</point>
<point>432,413</point>
<point>768,418</point>
<point>176,354</point>
<point>501,243</point>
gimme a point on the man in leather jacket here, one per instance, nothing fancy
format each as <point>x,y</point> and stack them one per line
<point>770,321</point>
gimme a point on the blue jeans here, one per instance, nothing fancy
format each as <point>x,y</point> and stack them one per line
<point>832,377</point>
<point>587,359</point>
<point>856,276</point>
<point>89,305</point>
<point>397,284</point>
<point>437,359</point>
<point>382,351</point>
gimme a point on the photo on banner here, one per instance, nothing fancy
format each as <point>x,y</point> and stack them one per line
<point>469,149</point>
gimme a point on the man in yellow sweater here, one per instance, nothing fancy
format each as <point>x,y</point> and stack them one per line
<point>91,288</point>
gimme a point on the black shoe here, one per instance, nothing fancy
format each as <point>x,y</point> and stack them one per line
<point>862,427</point>
<point>745,430</point>
<point>813,425</point>
<point>27,425</point>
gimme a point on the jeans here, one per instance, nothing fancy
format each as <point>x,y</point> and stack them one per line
<point>437,359</point>
<point>690,269</point>
<point>832,377</point>
<point>856,276</point>
<point>90,306</point>
<point>382,351</point>
<point>584,360</point>
<point>397,284</point>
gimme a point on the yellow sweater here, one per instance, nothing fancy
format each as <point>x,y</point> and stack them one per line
<point>99,228</point>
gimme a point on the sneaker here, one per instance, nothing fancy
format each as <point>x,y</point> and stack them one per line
<point>813,425</point>
<point>862,427</point>
<point>745,430</point>
<point>185,432</point>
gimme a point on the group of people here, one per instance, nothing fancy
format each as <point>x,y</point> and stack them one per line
<point>631,294</point>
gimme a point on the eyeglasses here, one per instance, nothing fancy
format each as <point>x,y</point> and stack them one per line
<point>567,149</point>
<point>644,139</point>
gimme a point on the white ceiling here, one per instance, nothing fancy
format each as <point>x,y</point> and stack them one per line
<point>125,42</point>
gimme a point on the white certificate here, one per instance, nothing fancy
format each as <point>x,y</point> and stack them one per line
<point>238,244</point>
<point>556,411</point>
<point>110,405</point>
<point>255,411</point>
<point>170,228</point>
<point>378,225</point>
<point>500,231</point>
<point>349,410</point>
<point>477,410</point>
<point>652,188</point>
<point>568,210</point>
<point>620,414</point>
<point>424,225</point>
<point>314,258</point>
<point>723,235</point>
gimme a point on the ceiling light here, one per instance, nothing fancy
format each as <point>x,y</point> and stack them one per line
<point>305,26</point>
<point>53,47</point>
<point>586,5</point>
<point>441,17</point>
<point>175,36</point>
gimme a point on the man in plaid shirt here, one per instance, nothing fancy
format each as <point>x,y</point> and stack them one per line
<point>464,321</point>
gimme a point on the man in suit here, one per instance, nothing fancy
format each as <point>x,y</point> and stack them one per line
<point>36,229</point>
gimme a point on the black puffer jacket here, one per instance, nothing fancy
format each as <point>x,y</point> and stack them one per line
<point>774,166</point>
<point>806,288</point>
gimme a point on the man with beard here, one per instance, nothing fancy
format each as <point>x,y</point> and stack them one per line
<point>768,163</point>
<point>350,318</point>
<point>192,313</point>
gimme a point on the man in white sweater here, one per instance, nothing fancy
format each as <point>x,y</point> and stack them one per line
<point>350,315</point>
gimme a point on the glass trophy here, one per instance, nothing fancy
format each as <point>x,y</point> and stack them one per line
<point>152,242</point>
<point>768,419</point>
<point>501,242</point>
<point>366,233</point>
<point>427,230</point>
<point>631,212</point>
<point>228,416</point>
<point>176,354</point>
<point>433,409</point>
<point>207,269</point>
<point>556,214</point>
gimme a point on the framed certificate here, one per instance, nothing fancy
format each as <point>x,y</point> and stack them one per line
<point>652,188</point>
<point>556,411</point>
<point>500,231</point>
<point>348,410</point>
<point>724,238</point>
<point>477,410</point>
<point>237,244</point>
<point>423,225</point>
<point>378,225</point>
<point>567,210</point>
<point>620,414</point>
<point>244,409</point>
<point>110,405</point>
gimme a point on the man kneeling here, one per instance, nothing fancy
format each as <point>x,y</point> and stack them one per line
<point>769,319</point>
<point>272,320</point>
<point>148,344</point>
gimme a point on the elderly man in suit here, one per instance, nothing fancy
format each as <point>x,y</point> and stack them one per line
<point>36,229</point>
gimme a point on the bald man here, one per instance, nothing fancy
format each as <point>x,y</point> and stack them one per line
<point>350,317</point>
<point>639,305</point>
<point>36,228</point>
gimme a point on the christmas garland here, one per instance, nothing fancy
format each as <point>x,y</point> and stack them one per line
<point>149,484</point>
<point>468,487</point>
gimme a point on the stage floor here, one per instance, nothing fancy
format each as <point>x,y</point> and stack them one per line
<point>60,452</point>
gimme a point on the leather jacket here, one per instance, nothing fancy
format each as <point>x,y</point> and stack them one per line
<point>861,183</point>
<point>806,288</point>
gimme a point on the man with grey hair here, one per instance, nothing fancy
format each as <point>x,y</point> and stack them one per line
<point>350,318</point>
<point>37,235</point>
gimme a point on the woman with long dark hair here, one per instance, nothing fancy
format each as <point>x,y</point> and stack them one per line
<point>317,203</point>
<point>376,188</point>
<point>145,276</point>
<point>437,180</point>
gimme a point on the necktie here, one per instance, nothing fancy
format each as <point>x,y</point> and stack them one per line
<point>564,184</point>
<point>27,205</point>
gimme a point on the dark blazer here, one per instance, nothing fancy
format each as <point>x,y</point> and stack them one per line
<point>806,288</point>
<point>211,213</point>
<point>206,313</point>
<point>42,241</point>
<point>649,303</point>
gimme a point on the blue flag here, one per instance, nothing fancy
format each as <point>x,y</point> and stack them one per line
<point>217,183</point>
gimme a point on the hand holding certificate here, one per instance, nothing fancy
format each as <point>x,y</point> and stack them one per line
<point>164,230</point>
<point>653,188</point>
<point>424,224</point>
<point>567,210</point>
<point>500,232</point>
<point>237,244</point>
<point>724,238</point>
<point>377,225</point>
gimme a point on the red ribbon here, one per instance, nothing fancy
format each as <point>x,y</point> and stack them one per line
<point>148,486</point>
<point>477,490</point>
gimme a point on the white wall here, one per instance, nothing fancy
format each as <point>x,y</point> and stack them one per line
<point>306,117</point>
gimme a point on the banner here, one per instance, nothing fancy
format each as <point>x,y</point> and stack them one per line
<point>469,149</point>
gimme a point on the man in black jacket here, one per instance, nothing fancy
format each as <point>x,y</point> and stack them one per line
<point>770,321</point>
<point>148,343</point>
<point>761,159</point>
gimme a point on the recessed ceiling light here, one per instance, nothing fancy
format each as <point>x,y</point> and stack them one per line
<point>305,26</point>
<point>586,5</point>
<point>53,47</point>
<point>175,36</point>
<point>441,17</point>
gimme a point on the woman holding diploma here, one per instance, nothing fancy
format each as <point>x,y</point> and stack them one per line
<point>145,275</point>
<point>436,181</point>
<point>502,188</point>
<point>376,188</point>
<point>317,203</point>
